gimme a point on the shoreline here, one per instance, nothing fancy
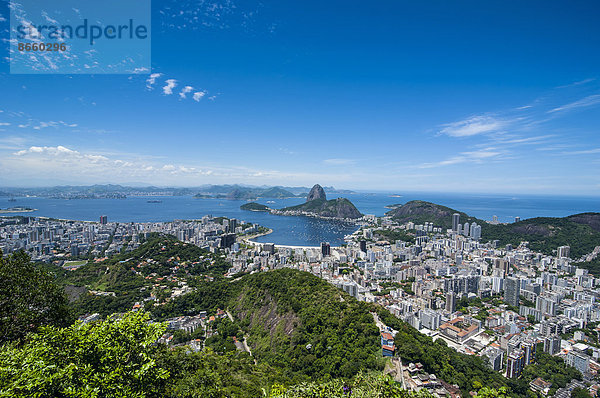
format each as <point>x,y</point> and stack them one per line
<point>11,211</point>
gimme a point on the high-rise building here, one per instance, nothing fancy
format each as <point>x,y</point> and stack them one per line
<point>363,246</point>
<point>495,357</point>
<point>232,225</point>
<point>552,344</point>
<point>325,249</point>
<point>579,361</point>
<point>103,220</point>
<point>450,301</point>
<point>512,291</point>
<point>455,221</point>
<point>564,251</point>
<point>430,319</point>
<point>227,240</point>
<point>529,351</point>
<point>269,247</point>
<point>545,305</point>
<point>514,364</point>
<point>517,219</point>
<point>466,229</point>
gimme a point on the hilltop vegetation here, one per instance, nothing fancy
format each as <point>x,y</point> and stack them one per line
<point>294,321</point>
<point>121,281</point>
<point>420,212</point>
<point>253,206</point>
<point>544,234</point>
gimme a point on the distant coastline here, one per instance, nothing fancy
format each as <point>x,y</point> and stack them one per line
<point>17,210</point>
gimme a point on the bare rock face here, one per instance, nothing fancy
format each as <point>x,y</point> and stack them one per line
<point>315,193</point>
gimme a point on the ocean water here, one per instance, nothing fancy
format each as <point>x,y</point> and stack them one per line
<point>301,231</point>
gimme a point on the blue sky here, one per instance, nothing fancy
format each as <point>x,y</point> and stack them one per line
<point>462,96</point>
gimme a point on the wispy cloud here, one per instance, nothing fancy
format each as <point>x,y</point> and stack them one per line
<point>590,100</point>
<point>152,79</point>
<point>185,91</point>
<point>583,152</point>
<point>168,89</point>
<point>578,83</point>
<point>466,157</point>
<point>339,162</point>
<point>474,125</point>
<point>198,95</point>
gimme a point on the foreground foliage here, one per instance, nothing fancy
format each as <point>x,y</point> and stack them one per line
<point>113,358</point>
<point>29,298</point>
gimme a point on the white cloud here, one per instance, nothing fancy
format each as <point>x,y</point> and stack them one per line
<point>590,100</point>
<point>4,124</point>
<point>465,157</point>
<point>339,162</point>
<point>473,126</point>
<point>152,79</point>
<point>185,91</point>
<point>583,152</point>
<point>198,95</point>
<point>168,89</point>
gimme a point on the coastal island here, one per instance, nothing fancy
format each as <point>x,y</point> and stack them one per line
<point>316,205</point>
<point>253,206</point>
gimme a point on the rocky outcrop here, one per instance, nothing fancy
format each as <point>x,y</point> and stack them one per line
<point>318,205</point>
<point>317,192</point>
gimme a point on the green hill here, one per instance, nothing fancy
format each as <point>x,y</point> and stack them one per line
<point>294,321</point>
<point>419,212</point>
<point>130,277</point>
<point>544,234</point>
<point>253,206</point>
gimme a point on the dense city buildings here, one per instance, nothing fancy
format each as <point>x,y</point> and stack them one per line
<point>479,298</point>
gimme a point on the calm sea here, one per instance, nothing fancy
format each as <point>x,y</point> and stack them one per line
<point>300,231</point>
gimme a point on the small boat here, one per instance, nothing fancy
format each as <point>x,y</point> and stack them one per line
<point>12,200</point>
<point>154,201</point>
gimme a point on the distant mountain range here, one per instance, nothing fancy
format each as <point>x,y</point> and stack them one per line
<point>236,191</point>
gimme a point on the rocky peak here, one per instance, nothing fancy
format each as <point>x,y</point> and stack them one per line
<point>315,193</point>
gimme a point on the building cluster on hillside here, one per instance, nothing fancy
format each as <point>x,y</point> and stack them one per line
<point>45,239</point>
<point>501,303</point>
<point>481,299</point>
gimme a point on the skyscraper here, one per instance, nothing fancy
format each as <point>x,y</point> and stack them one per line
<point>103,220</point>
<point>455,221</point>
<point>564,251</point>
<point>512,291</point>
<point>450,301</point>
<point>325,249</point>
<point>363,246</point>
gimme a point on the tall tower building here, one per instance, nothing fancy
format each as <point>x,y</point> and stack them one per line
<point>512,291</point>
<point>325,249</point>
<point>450,301</point>
<point>455,221</point>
